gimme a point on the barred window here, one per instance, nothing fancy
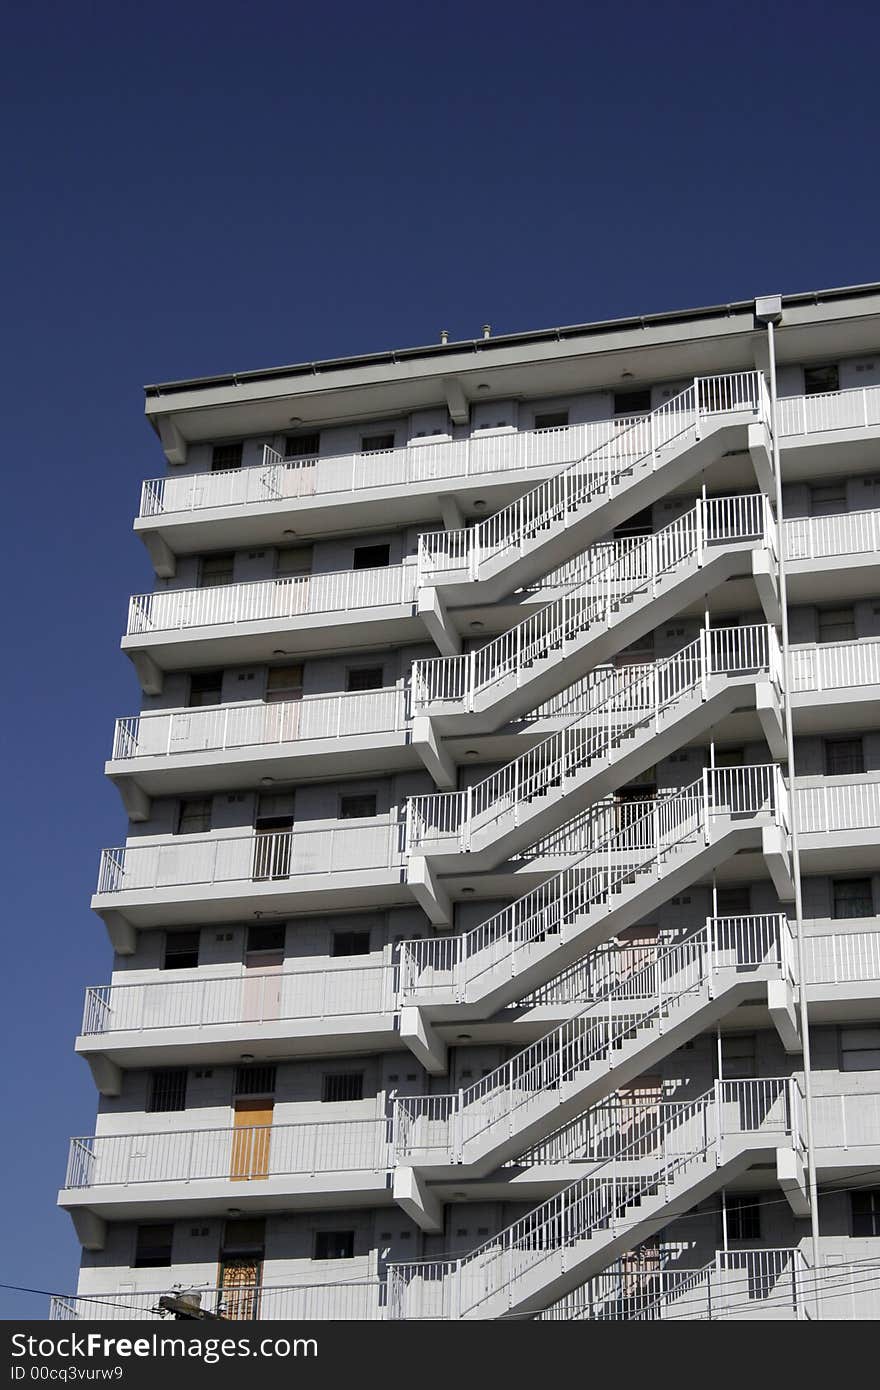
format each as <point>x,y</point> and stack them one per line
<point>302,446</point>
<point>743,1218</point>
<point>225,456</point>
<point>852,897</point>
<point>167,1089</point>
<point>865,1211</point>
<point>844,756</point>
<point>342,1085</point>
<point>255,1080</point>
<point>216,570</point>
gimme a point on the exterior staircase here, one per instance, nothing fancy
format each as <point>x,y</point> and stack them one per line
<point>637,716</point>
<point>641,462</point>
<point>637,589</point>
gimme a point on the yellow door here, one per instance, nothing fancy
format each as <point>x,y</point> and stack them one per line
<point>250,1140</point>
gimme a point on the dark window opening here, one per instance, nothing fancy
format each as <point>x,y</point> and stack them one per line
<point>181,950</point>
<point>844,757</point>
<point>351,943</point>
<point>266,938</point>
<point>342,1085</point>
<point>253,1080</point>
<point>216,570</point>
<point>205,688</point>
<point>372,443</point>
<point>194,816</point>
<point>865,1209</point>
<point>852,897</point>
<point>334,1245</point>
<point>837,624</point>
<point>167,1090</point>
<point>819,379</point>
<point>743,1218</point>
<point>365,678</point>
<point>368,557</point>
<point>302,446</point>
<point>632,402</point>
<point>356,807</point>
<point>224,456</point>
<point>153,1246</point>
<point>551,420</point>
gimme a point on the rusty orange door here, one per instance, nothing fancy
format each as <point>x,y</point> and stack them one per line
<point>251,1139</point>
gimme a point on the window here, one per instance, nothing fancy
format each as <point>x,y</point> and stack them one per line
<point>283,683</point>
<point>205,688</point>
<point>371,443</point>
<point>828,500</point>
<point>268,938</point>
<point>293,560</point>
<point>641,524</point>
<point>273,840</point>
<point>734,902</point>
<point>351,943</point>
<point>216,570</point>
<point>342,1085</point>
<point>859,1049</point>
<point>844,756</point>
<point>632,402</point>
<point>194,816</point>
<point>837,624</point>
<point>225,456</point>
<point>152,1248</point>
<point>818,379</point>
<point>730,757</point>
<point>852,897</point>
<point>743,1218</point>
<point>181,950</point>
<point>552,420</point>
<point>356,807</point>
<point>167,1089</point>
<point>368,557</point>
<point>738,1056</point>
<point>255,1081</point>
<point>334,1245</point>
<point>865,1212</point>
<point>302,446</point>
<point>364,678</point>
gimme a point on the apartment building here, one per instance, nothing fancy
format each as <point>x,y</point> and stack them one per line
<point>479,951</point>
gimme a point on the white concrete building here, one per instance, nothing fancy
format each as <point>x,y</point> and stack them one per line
<point>476,954</point>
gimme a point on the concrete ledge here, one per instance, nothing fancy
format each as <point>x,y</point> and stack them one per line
<point>767,584</point>
<point>423,1041</point>
<point>432,611</point>
<point>412,1195</point>
<point>148,673</point>
<point>774,847</point>
<point>759,452</point>
<point>163,557</point>
<point>769,708</point>
<point>123,937</point>
<point>781,1007</point>
<point>134,799</point>
<point>433,754</point>
<point>431,898</point>
<point>106,1075</point>
<point>792,1179</point>
<point>91,1230</point>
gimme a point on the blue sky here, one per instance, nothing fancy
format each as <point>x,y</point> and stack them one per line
<point>199,187</point>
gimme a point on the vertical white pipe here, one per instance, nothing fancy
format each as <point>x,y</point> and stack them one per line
<point>795,850</point>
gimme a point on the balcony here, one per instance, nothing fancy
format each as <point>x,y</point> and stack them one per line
<point>208,749</point>
<point>813,547</point>
<point>172,629</point>
<point>337,1163</point>
<point>345,1300</point>
<point>214,879</point>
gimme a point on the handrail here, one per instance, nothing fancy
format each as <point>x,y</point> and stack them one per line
<point>559,624</point>
<point>640,694</point>
<point>626,853</point>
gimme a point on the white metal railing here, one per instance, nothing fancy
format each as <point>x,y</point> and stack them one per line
<point>834,665</point>
<point>333,991</point>
<point>256,857</point>
<point>627,855</point>
<point>856,408</point>
<point>631,1008</point>
<point>352,1299</point>
<point>219,727</point>
<point>277,479</point>
<point>633,698</point>
<point>600,1207</point>
<point>263,600</point>
<point>639,447</point>
<point>558,626</point>
<point>776,1283</point>
<point>833,808</point>
<point>818,537</point>
<point>242,1154</point>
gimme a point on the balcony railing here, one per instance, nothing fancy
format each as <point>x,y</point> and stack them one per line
<point>214,728</point>
<point>278,479</point>
<point>347,1300</point>
<point>834,808</point>
<point>242,1154</point>
<point>834,665</point>
<point>334,991</point>
<point>265,600</point>
<point>820,537</point>
<point>856,408</point>
<point>272,857</point>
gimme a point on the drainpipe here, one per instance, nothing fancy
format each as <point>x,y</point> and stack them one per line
<point>769,311</point>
